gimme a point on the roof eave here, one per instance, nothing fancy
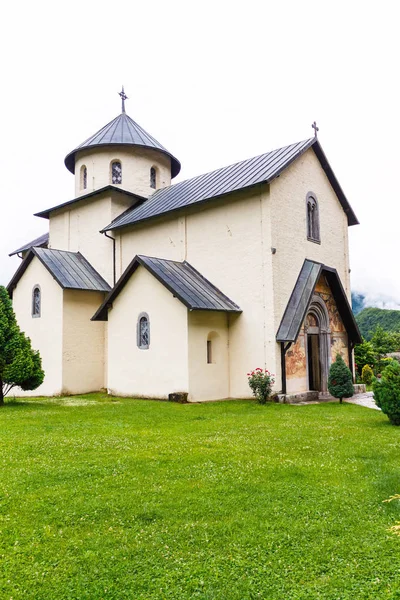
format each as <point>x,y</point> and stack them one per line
<point>69,160</point>
<point>45,214</point>
<point>19,272</point>
<point>182,208</point>
<point>30,245</point>
<point>351,217</point>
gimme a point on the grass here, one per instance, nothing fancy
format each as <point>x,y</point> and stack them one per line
<point>117,499</point>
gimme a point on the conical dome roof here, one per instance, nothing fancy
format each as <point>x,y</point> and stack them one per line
<point>122,131</point>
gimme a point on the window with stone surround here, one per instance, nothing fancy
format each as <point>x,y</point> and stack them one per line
<point>83,177</point>
<point>116,172</point>
<point>143,331</point>
<point>313,229</point>
<point>36,301</point>
<point>153,178</point>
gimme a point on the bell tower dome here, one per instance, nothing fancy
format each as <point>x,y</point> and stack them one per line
<point>124,155</point>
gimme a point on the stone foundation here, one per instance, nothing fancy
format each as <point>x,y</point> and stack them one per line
<point>359,388</point>
<point>300,397</point>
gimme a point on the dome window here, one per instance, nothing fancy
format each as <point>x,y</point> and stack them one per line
<point>153,178</point>
<point>83,177</point>
<point>116,172</point>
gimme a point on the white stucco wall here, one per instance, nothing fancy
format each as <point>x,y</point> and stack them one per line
<point>136,164</point>
<point>289,230</point>
<point>229,242</point>
<point>76,228</point>
<point>161,369</point>
<point>83,343</point>
<point>45,332</point>
<point>208,381</point>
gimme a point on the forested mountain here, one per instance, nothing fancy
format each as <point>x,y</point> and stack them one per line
<point>369,318</point>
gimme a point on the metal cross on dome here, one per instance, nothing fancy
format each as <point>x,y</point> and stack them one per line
<point>314,126</point>
<point>123,98</point>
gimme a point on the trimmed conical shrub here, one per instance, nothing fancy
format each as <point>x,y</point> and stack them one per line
<point>340,381</point>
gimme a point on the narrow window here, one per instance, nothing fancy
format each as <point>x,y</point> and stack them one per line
<point>209,352</point>
<point>313,233</point>
<point>116,172</point>
<point>143,331</point>
<point>36,301</point>
<point>83,177</point>
<point>153,178</point>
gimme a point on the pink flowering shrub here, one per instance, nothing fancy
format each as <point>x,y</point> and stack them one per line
<point>261,382</point>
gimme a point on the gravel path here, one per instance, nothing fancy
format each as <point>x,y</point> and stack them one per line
<point>366,400</point>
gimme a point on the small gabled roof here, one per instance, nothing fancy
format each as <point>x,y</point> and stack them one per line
<point>301,297</point>
<point>45,214</point>
<point>181,279</point>
<point>244,174</point>
<point>122,131</point>
<point>70,269</point>
<point>40,242</point>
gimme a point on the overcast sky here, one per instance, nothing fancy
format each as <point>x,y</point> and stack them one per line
<point>215,82</point>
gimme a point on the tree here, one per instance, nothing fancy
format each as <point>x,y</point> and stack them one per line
<point>384,341</point>
<point>387,392</point>
<point>20,365</point>
<point>364,355</point>
<point>340,381</point>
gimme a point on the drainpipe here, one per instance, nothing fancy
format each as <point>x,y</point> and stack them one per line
<point>351,365</point>
<point>113,240</point>
<point>284,349</point>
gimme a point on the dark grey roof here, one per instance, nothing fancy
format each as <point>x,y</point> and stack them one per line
<point>41,241</point>
<point>122,131</point>
<point>45,214</point>
<point>181,279</point>
<point>70,269</point>
<point>261,169</point>
<point>300,300</point>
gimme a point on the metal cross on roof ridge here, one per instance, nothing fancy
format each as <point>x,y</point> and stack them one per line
<point>123,98</point>
<point>314,126</point>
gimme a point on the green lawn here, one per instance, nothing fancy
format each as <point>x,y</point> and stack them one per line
<point>229,500</point>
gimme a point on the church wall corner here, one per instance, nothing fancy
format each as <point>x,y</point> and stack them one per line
<point>45,332</point>
<point>83,349</point>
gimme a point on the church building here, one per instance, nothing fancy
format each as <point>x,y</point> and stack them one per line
<point>145,287</point>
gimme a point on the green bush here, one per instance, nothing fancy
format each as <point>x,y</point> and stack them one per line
<point>367,375</point>
<point>387,392</point>
<point>20,365</point>
<point>340,381</point>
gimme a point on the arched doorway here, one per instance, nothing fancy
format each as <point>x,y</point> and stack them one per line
<point>318,345</point>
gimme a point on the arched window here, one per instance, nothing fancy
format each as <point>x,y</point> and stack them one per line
<point>209,352</point>
<point>153,178</point>
<point>36,301</point>
<point>313,233</point>
<point>83,177</point>
<point>116,172</point>
<point>213,349</point>
<point>143,331</point>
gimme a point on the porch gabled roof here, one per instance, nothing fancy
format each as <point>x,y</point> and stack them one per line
<point>300,300</point>
<point>180,278</point>
<point>71,270</point>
